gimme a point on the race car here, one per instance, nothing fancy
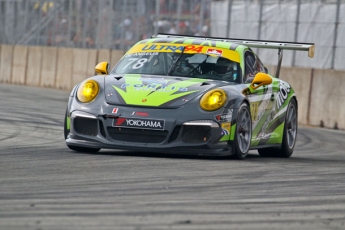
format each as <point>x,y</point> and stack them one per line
<point>182,94</point>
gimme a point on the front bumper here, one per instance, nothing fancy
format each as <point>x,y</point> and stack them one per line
<point>179,136</point>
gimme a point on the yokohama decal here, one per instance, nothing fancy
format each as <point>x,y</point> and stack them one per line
<point>139,123</point>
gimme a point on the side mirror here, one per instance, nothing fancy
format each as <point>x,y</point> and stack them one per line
<point>260,79</point>
<point>102,68</point>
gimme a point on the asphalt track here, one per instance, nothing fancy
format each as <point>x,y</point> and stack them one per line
<point>44,185</point>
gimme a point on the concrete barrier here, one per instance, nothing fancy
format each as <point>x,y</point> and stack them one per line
<point>6,58</point>
<point>48,67</point>
<point>80,62</point>
<point>34,66</point>
<point>116,55</point>
<point>19,64</point>
<point>103,55</point>
<point>300,80</point>
<point>64,69</point>
<point>327,99</point>
<point>92,62</point>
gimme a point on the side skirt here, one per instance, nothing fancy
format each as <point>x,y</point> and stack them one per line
<point>265,146</point>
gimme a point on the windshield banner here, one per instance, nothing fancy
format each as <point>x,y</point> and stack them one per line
<point>153,48</point>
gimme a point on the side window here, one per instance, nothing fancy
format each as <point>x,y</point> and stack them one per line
<point>252,66</point>
<point>261,66</point>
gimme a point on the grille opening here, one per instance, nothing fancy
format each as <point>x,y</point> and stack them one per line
<point>85,126</point>
<point>101,128</point>
<point>175,133</point>
<point>137,135</point>
<point>196,134</point>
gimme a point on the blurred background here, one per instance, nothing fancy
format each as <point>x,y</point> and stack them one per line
<point>118,24</point>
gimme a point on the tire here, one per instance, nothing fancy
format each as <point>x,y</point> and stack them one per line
<point>243,135</point>
<point>289,134</point>
<point>77,148</point>
<point>65,130</point>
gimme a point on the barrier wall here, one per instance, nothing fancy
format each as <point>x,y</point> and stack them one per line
<point>320,93</point>
<point>33,71</point>
<point>6,63</point>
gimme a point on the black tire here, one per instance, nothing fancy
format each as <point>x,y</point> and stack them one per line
<point>77,148</point>
<point>65,130</point>
<point>289,134</point>
<point>243,135</point>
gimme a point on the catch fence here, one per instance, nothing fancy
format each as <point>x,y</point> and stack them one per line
<point>315,21</point>
<point>118,24</point>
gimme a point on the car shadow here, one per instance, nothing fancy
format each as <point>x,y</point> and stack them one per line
<point>126,153</point>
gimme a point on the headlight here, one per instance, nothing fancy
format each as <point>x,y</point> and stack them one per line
<point>213,100</point>
<point>87,91</point>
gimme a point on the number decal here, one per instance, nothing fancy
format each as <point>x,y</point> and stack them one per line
<point>193,48</point>
<point>140,63</point>
<point>131,60</point>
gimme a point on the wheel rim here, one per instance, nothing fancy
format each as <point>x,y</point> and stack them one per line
<point>244,131</point>
<point>291,128</point>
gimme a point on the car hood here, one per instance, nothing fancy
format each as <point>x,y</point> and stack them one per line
<point>154,90</point>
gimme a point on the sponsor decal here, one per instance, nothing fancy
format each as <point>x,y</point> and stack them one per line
<point>226,128</point>
<point>224,117</point>
<point>139,123</point>
<point>254,110</point>
<point>154,87</point>
<point>153,81</point>
<point>141,54</point>
<point>282,95</point>
<point>215,51</point>
<point>172,48</point>
<point>115,110</point>
<point>142,114</point>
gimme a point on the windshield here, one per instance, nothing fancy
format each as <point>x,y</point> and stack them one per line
<point>179,64</point>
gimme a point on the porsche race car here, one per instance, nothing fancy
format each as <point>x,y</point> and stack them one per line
<point>187,95</point>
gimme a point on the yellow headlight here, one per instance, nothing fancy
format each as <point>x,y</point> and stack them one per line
<point>87,91</point>
<point>213,100</point>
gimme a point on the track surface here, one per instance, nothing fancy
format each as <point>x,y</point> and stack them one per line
<point>44,185</point>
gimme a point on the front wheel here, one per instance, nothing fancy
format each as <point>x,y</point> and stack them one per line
<point>243,133</point>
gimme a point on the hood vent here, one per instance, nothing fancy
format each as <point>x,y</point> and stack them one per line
<point>205,83</point>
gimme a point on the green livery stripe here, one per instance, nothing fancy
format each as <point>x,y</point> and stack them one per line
<point>188,41</point>
<point>232,132</point>
<point>277,135</point>
<point>140,96</point>
<point>223,45</point>
<point>68,123</point>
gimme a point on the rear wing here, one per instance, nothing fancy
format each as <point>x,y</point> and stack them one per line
<point>279,45</point>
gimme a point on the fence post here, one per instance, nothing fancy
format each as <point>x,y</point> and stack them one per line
<point>156,17</point>
<point>229,18</point>
<point>261,2</point>
<point>335,33</point>
<point>69,25</point>
<point>123,17</point>
<point>296,30</point>
<point>179,9</point>
<point>201,16</point>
